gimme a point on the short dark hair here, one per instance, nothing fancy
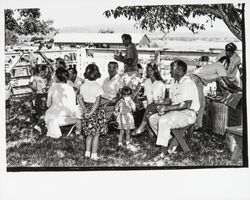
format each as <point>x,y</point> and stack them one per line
<point>62,74</point>
<point>92,72</point>
<point>180,64</point>
<point>61,62</point>
<point>7,74</point>
<point>40,67</point>
<point>127,37</point>
<point>231,47</point>
<point>126,90</point>
<point>113,63</point>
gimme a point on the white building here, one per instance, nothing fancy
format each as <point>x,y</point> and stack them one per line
<point>98,40</point>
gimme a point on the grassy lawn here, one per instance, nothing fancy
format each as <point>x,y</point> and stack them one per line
<point>26,148</point>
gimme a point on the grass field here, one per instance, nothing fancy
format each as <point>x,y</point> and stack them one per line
<point>26,148</point>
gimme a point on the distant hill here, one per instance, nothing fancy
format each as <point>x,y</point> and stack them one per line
<point>95,28</point>
<point>125,28</point>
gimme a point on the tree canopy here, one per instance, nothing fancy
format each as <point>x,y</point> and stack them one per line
<point>25,22</point>
<point>169,17</point>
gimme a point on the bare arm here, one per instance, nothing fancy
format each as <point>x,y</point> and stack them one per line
<point>121,58</point>
<point>81,102</point>
<point>95,107</point>
<point>181,106</point>
<point>228,85</point>
<point>49,99</point>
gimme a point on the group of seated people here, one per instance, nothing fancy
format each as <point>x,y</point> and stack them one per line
<point>72,100</point>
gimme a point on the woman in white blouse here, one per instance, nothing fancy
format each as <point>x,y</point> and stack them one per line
<point>61,102</point>
<point>154,90</point>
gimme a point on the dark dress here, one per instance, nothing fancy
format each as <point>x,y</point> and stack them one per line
<point>97,123</point>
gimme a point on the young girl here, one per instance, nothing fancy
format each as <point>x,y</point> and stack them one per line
<point>123,109</point>
<point>94,120</point>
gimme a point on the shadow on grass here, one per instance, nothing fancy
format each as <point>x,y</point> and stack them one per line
<point>26,148</point>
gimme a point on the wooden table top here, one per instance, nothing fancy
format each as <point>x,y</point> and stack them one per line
<point>236,130</point>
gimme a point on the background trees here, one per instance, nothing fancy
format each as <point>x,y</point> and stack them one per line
<point>169,17</point>
<point>25,22</point>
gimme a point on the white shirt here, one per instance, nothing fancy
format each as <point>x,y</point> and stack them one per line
<point>111,87</point>
<point>90,90</point>
<point>211,72</point>
<point>155,90</point>
<point>63,100</point>
<point>183,91</point>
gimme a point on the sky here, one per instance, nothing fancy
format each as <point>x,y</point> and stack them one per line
<point>90,14</point>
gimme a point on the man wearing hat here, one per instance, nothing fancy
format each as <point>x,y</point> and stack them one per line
<point>233,63</point>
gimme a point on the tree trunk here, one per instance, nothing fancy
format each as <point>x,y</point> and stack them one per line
<point>232,21</point>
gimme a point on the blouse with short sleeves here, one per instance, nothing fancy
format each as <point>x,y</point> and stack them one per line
<point>155,90</point>
<point>63,98</point>
<point>90,90</point>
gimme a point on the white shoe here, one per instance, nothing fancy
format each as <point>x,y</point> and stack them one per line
<point>94,157</point>
<point>170,151</point>
<point>38,128</point>
<point>87,154</point>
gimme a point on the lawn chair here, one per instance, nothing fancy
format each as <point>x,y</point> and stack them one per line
<point>179,137</point>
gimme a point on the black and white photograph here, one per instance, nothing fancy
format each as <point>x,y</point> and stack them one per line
<point>107,88</point>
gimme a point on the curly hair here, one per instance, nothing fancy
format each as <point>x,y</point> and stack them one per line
<point>92,72</point>
<point>62,74</point>
<point>126,90</point>
<point>157,74</point>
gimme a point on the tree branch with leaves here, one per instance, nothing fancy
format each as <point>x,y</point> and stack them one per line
<point>25,22</point>
<point>168,18</point>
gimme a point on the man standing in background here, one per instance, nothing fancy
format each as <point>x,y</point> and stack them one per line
<point>130,59</point>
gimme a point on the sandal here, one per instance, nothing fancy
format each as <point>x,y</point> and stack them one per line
<point>170,151</point>
<point>137,132</point>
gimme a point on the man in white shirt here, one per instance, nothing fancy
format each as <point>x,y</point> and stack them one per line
<point>182,112</point>
<point>74,80</point>
<point>208,74</point>
<point>112,84</point>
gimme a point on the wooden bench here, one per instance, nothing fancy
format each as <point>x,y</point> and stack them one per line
<point>236,132</point>
<point>179,134</point>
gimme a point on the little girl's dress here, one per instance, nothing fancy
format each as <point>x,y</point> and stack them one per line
<point>125,118</point>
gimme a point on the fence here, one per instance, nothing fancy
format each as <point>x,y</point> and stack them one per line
<point>19,63</point>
